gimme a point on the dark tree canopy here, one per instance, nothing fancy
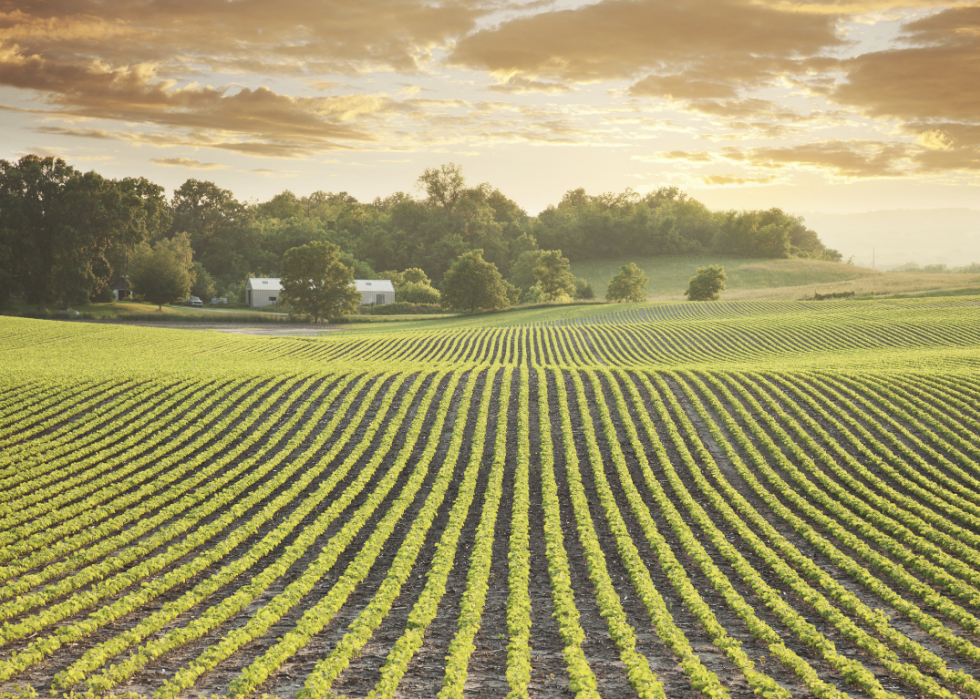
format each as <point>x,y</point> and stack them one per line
<point>222,229</point>
<point>233,240</point>
<point>316,284</point>
<point>472,284</point>
<point>59,226</point>
<point>203,285</point>
<point>629,284</point>
<point>162,273</point>
<point>707,284</point>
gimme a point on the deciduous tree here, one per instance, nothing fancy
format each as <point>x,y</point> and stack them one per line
<point>443,185</point>
<point>203,285</point>
<point>59,224</point>
<point>707,284</point>
<point>629,284</point>
<point>222,230</point>
<point>162,273</point>
<point>552,275</point>
<point>472,284</point>
<point>316,283</point>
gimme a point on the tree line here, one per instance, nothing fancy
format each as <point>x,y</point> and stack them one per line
<point>66,236</point>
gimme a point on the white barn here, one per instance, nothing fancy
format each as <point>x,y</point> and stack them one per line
<point>375,292</point>
<point>265,291</point>
<point>262,291</point>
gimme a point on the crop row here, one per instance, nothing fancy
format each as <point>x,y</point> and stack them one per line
<point>826,520</point>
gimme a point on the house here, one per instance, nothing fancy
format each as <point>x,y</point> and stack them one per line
<point>121,290</point>
<point>265,291</point>
<point>262,291</point>
<point>375,292</point>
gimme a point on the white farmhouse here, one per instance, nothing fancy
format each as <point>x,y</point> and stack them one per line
<point>265,291</point>
<point>262,291</point>
<point>375,292</point>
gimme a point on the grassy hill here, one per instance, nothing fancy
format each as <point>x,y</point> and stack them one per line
<point>768,279</point>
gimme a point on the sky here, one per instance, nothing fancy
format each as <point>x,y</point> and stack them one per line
<point>819,106</point>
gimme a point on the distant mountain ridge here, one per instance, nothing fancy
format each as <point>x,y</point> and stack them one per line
<point>893,237</point>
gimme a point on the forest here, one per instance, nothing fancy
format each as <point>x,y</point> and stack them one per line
<point>66,236</point>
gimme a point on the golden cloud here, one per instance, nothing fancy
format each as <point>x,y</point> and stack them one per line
<point>936,78</point>
<point>713,43</point>
<point>130,61</point>
<point>517,85</point>
<point>133,94</point>
<point>186,162</point>
<point>947,146</point>
<point>936,139</point>
<point>850,159</point>
<point>284,36</point>
<point>668,156</point>
<point>733,181</point>
<point>100,134</point>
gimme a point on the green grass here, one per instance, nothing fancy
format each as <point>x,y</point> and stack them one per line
<point>143,312</point>
<point>669,275</point>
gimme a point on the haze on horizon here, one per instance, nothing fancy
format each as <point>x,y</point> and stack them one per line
<point>821,107</point>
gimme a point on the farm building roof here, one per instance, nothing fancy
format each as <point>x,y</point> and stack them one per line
<point>264,283</point>
<point>363,285</point>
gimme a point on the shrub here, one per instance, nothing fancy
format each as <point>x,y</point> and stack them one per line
<point>415,292</point>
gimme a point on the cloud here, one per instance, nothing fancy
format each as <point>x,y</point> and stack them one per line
<point>936,139</point>
<point>42,152</point>
<point>285,37</point>
<point>936,77</point>
<point>100,134</point>
<point>733,181</point>
<point>946,146</point>
<point>683,87</point>
<point>135,94</point>
<point>269,172</point>
<point>849,159</point>
<point>715,44</point>
<point>186,162</point>
<point>516,85</point>
<point>132,61</point>
<point>674,155</point>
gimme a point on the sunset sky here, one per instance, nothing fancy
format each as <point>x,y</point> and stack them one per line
<point>832,107</point>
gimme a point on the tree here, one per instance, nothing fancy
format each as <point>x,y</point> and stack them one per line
<point>552,275</point>
<point>203,285</point>
<point>414,275</point>
<point>707,284</point>
<point>629,285</point>
<point>443,186</point>
<point>162,273</point>
<point>222,229</point>
<point>583,289</point>
<point>472,284</point>
<point>316,283</point>
<point>58,225</point>
<point>522,270</point>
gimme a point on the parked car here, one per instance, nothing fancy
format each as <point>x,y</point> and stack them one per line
<point>195,302</point>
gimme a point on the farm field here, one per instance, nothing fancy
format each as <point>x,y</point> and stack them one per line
<point>772,280</point>
<point>732,499</point>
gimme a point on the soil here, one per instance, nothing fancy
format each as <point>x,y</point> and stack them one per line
<point>487,669</point>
